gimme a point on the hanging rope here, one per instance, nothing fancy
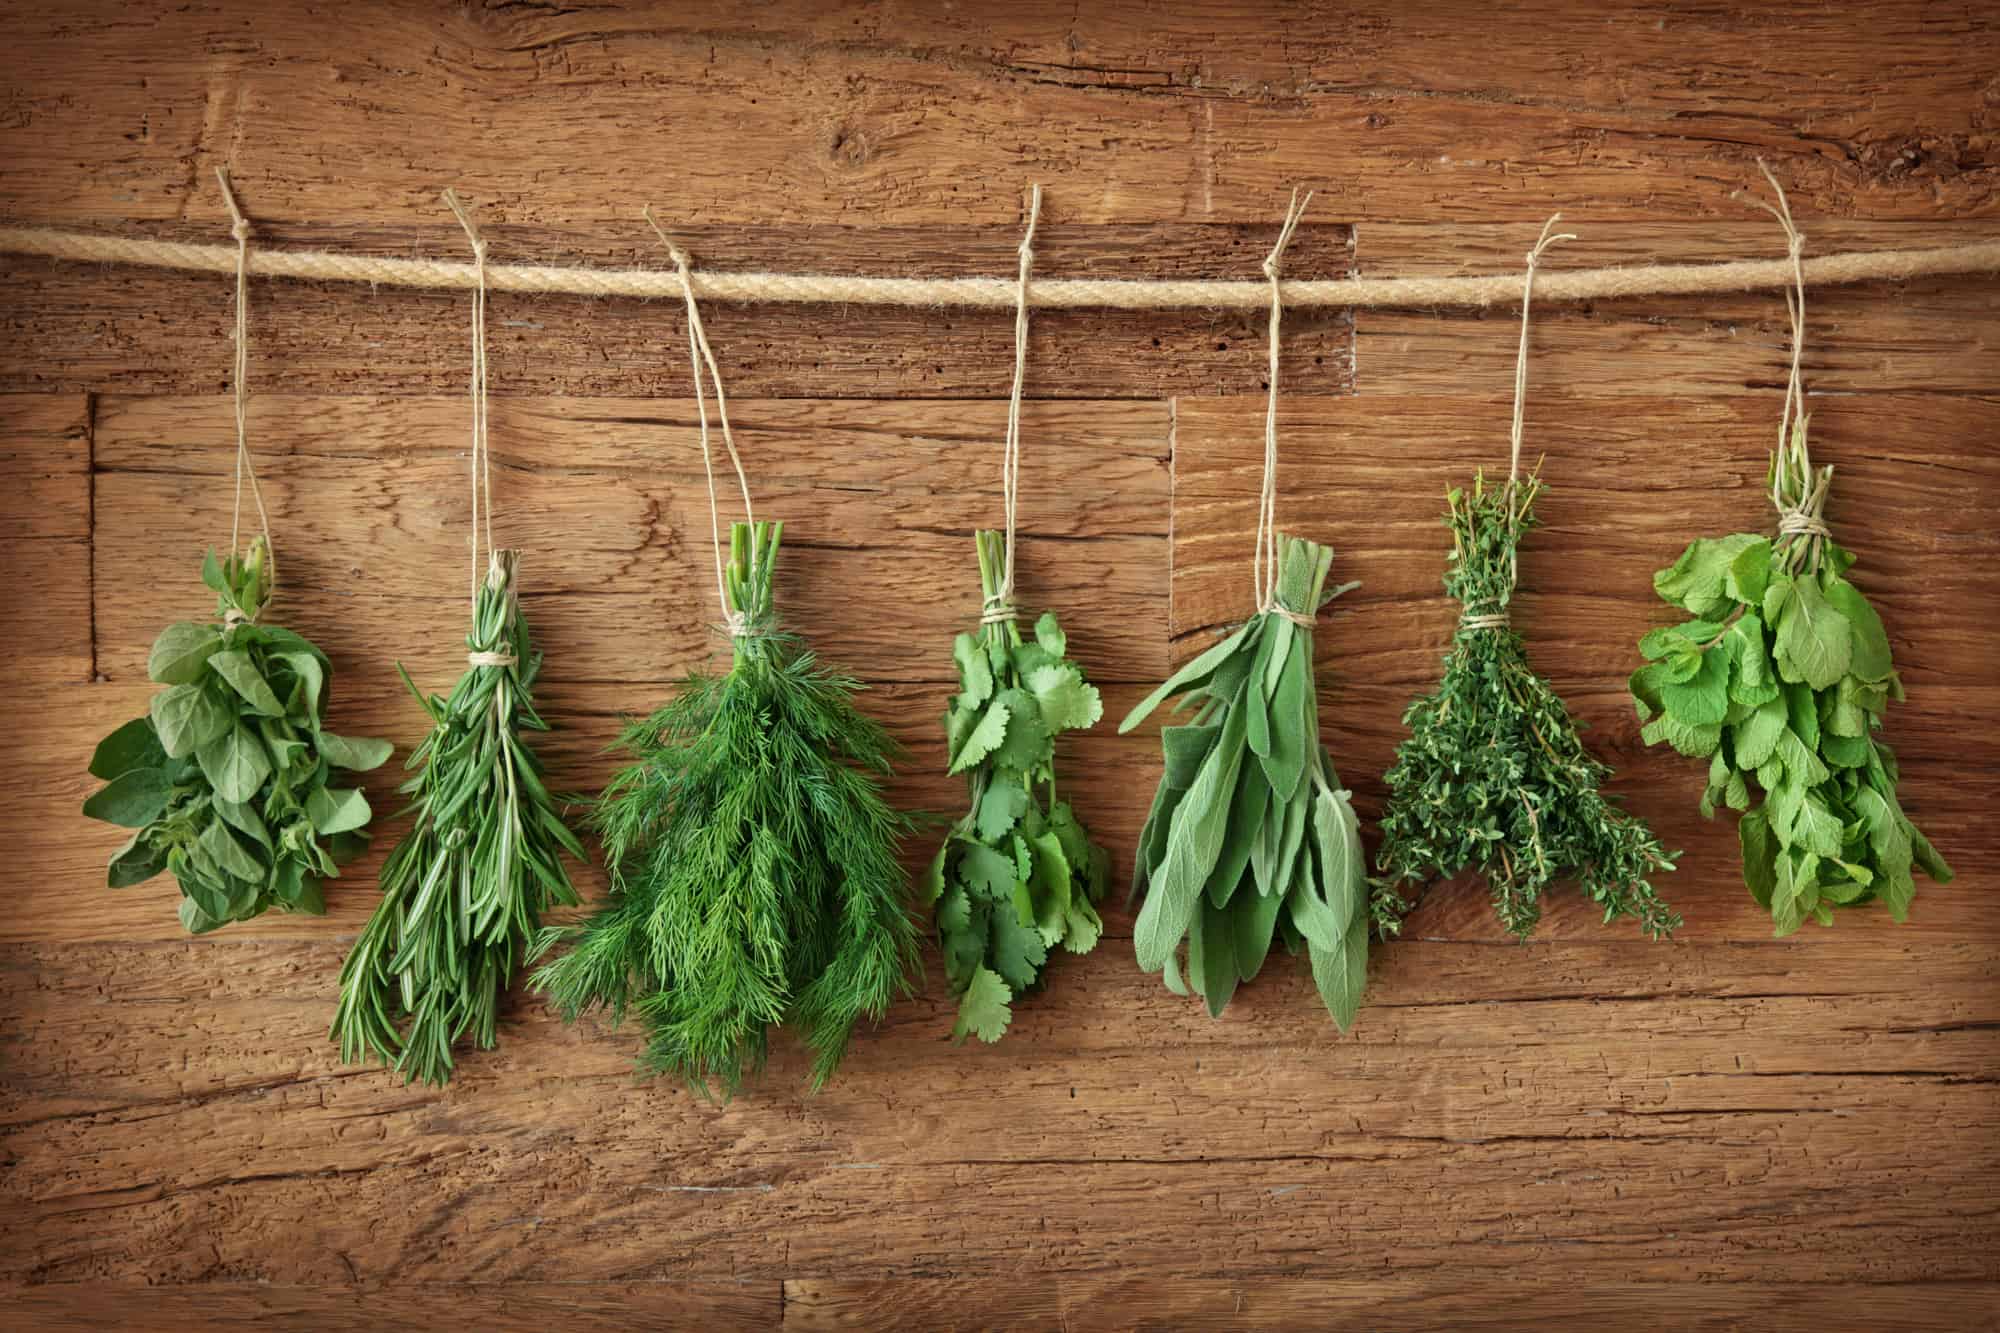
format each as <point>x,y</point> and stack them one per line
<point>245,465</point>
<point>1264,562</point>
<point>736,622</point>
<point>482,458</point>
<point>1000,606</point>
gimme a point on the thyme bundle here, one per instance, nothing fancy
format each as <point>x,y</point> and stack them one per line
<point>1493,776</point>
<point>753,860</point>
<point>463,893</point>
<point>1018,874</point>
<point>227,782</point>
<point>1251,837</point>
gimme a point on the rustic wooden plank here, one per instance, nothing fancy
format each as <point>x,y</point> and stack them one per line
<point>226,1304</point>
<point>369,501</point>
<point>1522,1137</point>
<point>1930,336</point>
<point>45,498</point>
<point>786,118</point>
<point>1917,496</point>
<point>133,330</point>
<point>1112,1301</point>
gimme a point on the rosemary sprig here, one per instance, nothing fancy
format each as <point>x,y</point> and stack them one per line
<point>463,893</point>
<point>753,861</point>
<point>1493,776</point>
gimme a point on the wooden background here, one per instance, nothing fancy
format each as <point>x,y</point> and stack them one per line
<point>1589,1129</point>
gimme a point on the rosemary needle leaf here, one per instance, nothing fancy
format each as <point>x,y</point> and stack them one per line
<point>227,782</point>
<point>1018,875</point>
<point>463,893</point>
<point>753,861</point>
<point>1493,777</point>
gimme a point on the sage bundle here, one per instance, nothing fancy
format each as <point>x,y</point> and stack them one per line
<point>1251,835</point>
<point>464,891</point>
<point>754,866</point>
<point>1493,777</point>
<point>1018,875</point>
<point>1783,676</point>
<point>228,782</point>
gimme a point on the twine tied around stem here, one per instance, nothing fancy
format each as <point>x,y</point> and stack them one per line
<point>1264,559</point>
<point>999,608</point>
<point>482,456</point>
<point>736,622</point>
<point>240,383</point>
<point>1797,492</point>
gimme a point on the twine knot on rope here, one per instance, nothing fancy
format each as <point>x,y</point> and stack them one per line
<point>1264,557</point>
<point>240,376</point>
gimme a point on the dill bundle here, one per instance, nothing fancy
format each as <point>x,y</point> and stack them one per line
<point>463,894</point>
<point>753,860</point>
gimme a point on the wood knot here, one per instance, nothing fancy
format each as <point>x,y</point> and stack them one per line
<point>848,147</point>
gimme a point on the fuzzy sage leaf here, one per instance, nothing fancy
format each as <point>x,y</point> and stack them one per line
<point>1251,836</point>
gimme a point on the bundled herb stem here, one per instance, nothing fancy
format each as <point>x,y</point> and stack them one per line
<point>227,781</point>
<point>1251,836</point>
<point>1018,874</point>
<point>753,860</point>
<point>464,892</point>
<point>1493,777</point>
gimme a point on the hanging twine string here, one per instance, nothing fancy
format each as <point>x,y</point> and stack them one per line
<point>482,452</point>
<point>240,375</point>
<point>1264,561</point>
<point>1001,293</point>
<point>734,621</point>
<point>1000,606</point>
<point>1800,516</point>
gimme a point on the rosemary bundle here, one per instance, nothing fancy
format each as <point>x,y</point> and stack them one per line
<point>464,891</point>
<point>1251,836</point>
<point>1784,675</point>
<point>753,860</point>
<point>1493,777</point>
<point>1018,874</point>
<point>226,781</point>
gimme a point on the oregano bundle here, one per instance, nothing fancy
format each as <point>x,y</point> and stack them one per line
<point>463,893</point>
<point>1251,837</point>
<point>1783,677</point>
<point>1493,777</point>
<point>753,861</point>
<point>1018,874</point>
<point>228,781</point>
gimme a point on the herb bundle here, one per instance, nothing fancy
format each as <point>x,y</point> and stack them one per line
<point>1493,776</point>
<point>753,860</point>
<point>1251,835</point>
<point>228,780</point>
<point>463,893</point>
<point>1018,874</point>
<point>1784,674</point>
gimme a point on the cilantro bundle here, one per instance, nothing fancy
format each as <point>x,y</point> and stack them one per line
<point>1493,777</point>
<point>753,860</point>
<point>228,781</point>
<point>1251,835</point>
<point>463,892</point>
<point>1018,874</point>
<point>1783,676</point>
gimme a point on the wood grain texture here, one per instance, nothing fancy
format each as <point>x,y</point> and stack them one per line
<point>1587,1131</point>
